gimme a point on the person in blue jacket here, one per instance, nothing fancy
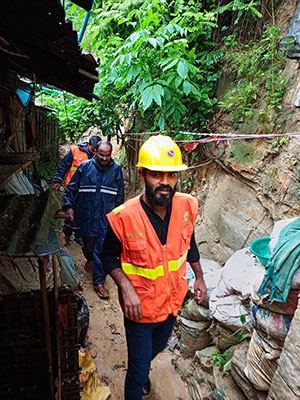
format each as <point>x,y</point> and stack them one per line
<point>75,156</point>
<point>96,188</point>
<point>67,168</point>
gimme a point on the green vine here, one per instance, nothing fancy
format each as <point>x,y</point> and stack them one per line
<point>256,69</point>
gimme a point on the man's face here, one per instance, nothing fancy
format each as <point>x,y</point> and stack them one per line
<point>160,187</point>
<point>91,149</point>
<point>104,154</point>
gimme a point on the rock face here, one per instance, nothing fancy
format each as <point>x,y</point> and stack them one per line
<point>241,201</point>
<point>285,383</point>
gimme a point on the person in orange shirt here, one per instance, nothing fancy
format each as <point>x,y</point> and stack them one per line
<point>67,167</point>
<point>148,242</point>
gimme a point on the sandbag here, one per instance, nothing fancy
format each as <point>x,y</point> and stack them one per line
<point>262,362</point>
<point>230,311</point>
<point>222,337</point>
<point>275,326</point>
<point>240,271</point>
<point>193,336</point>
<point>238,364</point>
<point>211,275</point>
<point>286,383</point>
<point>288,308</point>
<point>229,301</point>
<point>195,312</point>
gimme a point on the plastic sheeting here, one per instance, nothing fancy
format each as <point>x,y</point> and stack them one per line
<point>291,40</point>
<point>92,388</point>
<point>19,184</point>
<point>47,239</point>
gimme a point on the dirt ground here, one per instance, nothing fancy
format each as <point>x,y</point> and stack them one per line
<point>106,338</point>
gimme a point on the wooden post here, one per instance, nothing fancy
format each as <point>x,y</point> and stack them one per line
<point>42,268</point>
<point>58,332</point>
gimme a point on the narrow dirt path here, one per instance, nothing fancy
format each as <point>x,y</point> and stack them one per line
<point>107,339</point>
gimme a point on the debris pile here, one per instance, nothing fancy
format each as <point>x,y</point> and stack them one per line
<point>237,339</point>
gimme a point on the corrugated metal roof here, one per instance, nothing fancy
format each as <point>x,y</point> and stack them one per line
<point>86,4</point>
<point>37,42</point>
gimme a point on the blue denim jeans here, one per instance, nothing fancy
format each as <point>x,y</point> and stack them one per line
<point>91,250</point>
<point>99,275</point>
<point>144,342</point>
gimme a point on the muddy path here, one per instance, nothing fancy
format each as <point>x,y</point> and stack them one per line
<point>106,341</point>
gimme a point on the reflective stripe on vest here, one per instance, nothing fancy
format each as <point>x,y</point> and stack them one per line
<point>155,271</point>
<point>73,168</point>
<point>130,269</point>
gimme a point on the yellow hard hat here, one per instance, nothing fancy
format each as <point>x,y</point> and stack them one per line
<point>160,153</point>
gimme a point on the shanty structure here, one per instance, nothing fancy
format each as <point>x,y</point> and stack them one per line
<point>36,42</point>
<point>39,337</point>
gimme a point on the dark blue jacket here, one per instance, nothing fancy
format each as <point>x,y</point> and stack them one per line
<point>66,163</point>
<point>93,192</point>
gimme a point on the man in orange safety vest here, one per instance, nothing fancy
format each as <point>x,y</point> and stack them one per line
<point>68,166</point>
<point>149,240</point>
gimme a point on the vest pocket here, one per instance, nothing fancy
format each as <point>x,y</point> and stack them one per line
<point>136,252</point>
<point>184,245</point>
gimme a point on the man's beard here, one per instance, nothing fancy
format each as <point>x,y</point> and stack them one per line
<point>162,200</point>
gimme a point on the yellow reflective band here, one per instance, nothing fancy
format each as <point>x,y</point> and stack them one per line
<point>73,168</point>
<point>176,264</point>
<point>117,209</point>
<point>130,269</point>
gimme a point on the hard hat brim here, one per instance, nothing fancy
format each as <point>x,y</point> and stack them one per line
<point>163,168</point>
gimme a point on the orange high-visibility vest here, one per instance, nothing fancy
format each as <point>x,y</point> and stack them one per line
<point>156,271</point>
<point>78,157</point>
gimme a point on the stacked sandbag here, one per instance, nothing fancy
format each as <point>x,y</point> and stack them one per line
<point>195,319</point>
<point>229,302</point>
<point>194,336</point>
<point>262,362</point>
<point>271,327</point>
<point>286,382</point>
<point>211,275</point>
<point>289,307</point>
<point>271,321</point>
<point>223,337</point>
<point>238,365</point>
<point>268,338</point>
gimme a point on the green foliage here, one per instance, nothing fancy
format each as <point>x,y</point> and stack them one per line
<point>242,8</point>
<point>188,184</point>
<point>256,69</point>
<point>281,142</point>
<point>157,66</point>
<point>223,360</point>
<point>76,115</point>
<point>159,62</point>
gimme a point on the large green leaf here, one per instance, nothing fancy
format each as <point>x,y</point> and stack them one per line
<point>172,63</point>
<point>151,93</point>
<point>182,69</point>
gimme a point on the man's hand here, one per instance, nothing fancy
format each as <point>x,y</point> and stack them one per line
<point>200,291</point>
<point>132,304</point>
<point>70,214</point>
<point>56,186</point>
